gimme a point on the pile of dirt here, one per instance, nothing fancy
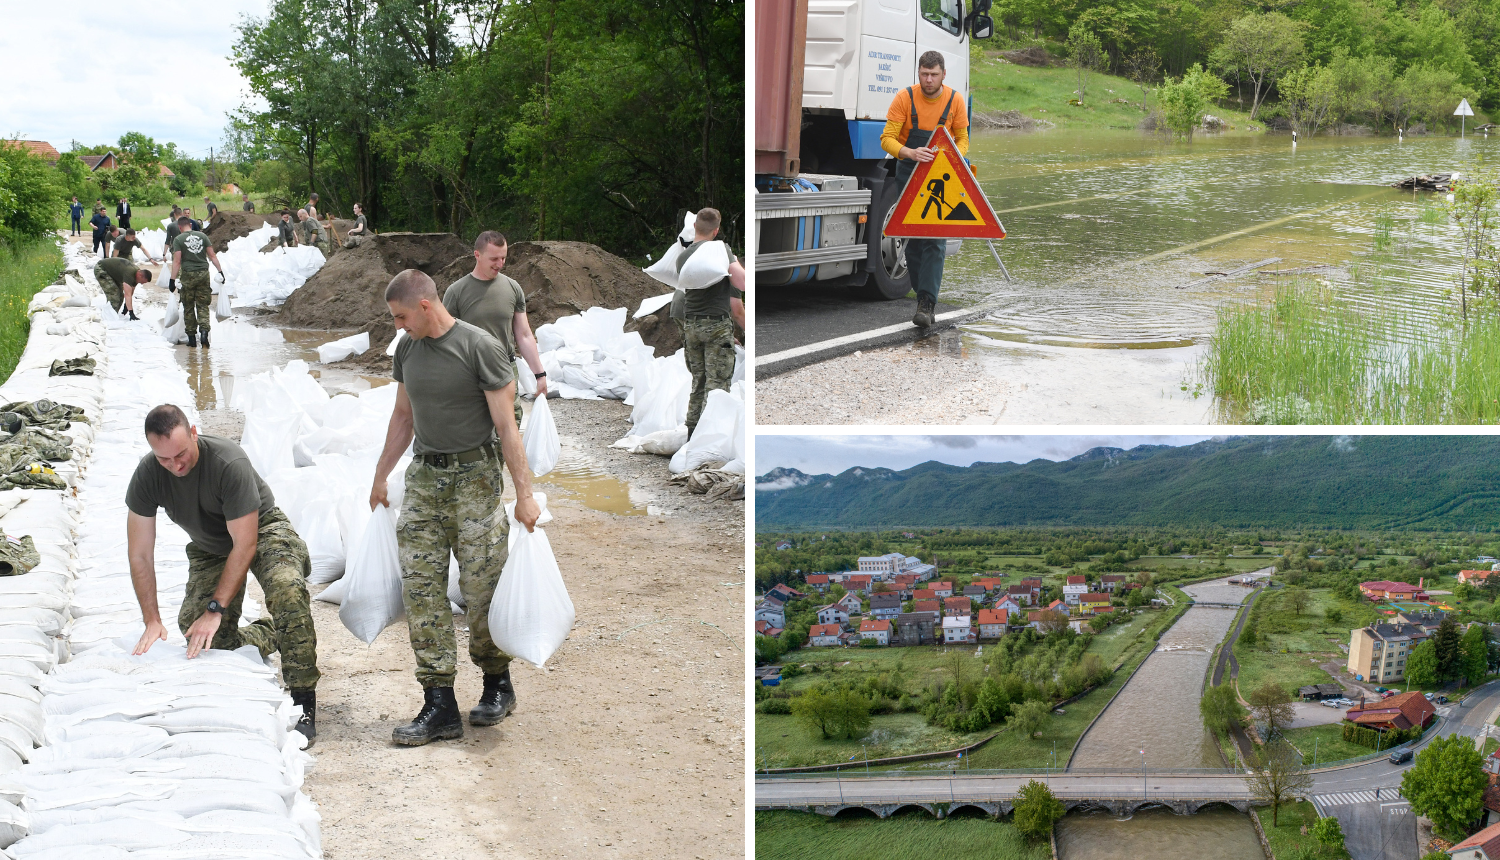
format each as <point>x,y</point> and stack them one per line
<point>228,225</point>
<point>1003,119</point>
<point>559,279</point>
<point>1035,55</point>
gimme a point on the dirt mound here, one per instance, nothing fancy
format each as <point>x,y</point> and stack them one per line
<point>228,224</point>
<point>349,291</point>
<point>559,278</point>
<point>1035,55</point>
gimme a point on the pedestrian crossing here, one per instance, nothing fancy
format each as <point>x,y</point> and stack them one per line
<point>1349,798</point>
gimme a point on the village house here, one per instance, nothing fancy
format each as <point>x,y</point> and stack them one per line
<point>942,589</point>
<point>1008,603</point>
<point>764,628</point>
<point>1059,606</point>
<point>924,594</point>
<point>878,630</point>
<point>770,612</point>
<point>785,593</point>
<point>1474,576</point>
<point>885,606</point>
<point>891,563</point>
<point>1491,791</point>
<point>1074,588</point>
<point>958,606</point>
<point>904,584</point>
<point>1484,845</point>
<point>861,583</point>
<point>1378,653</point>
<point>780,545</point>
<point>958,629</point>
<point>768,676</point>
<point>914,628</point>
<point>823,635</point>
<point>833,613</point>
<point>1383,590</point>
<point>934,606</point>
<point>851,603</point>
<point>40,148</point>
<point>975,593</point>
<point>992,623</point>
<point>818,582</point>
<point>1021,594</point>
<point>1093,603</point>
<point>1110,581</point>
<point>1034,618</point>
<point>1400,712</point>
<point>990,584</point>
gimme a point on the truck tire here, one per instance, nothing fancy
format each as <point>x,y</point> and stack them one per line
<point>887,258</point>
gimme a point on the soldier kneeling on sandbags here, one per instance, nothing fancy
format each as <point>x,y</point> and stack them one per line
<point>360,231</point>
<point>207,486</point>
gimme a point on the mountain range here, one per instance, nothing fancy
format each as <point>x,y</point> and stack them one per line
<point>1344,482</point>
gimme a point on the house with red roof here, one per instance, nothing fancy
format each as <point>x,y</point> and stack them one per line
<point>818,582</point>
<point>1074,588</point>
<point>1022,594</point>
<point>1093,603</point>
<point>764,628</point>
<point>942,589</point>
<point>924,594</point>
<point>1383,590</point>
<point>1400,712</point>
<point>785,592</point>
<point>990,584</point>
<point>992,623</point>
<point>1473,576</point>
<point>860,582</point>
<point>40,148</point>
<point>822,635</point>
<point>955,606</point>
<point>1484,845</point>
<point>934,606</point>
<point>1110,581</point>
<point>878,630</point>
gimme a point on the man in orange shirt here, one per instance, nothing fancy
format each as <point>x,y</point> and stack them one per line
<point>909,124</point>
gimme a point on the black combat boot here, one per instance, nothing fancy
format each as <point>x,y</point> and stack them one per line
<point>926,310</point>
<point>497,701</point>
<point>439,719</point>
<point>308,725</point>
<point>192,339</point>
<point>205,338</point>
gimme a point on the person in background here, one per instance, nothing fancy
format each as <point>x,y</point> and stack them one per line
<point>709,318</point>
<point>196,224</point>
<point>118,277</point>
<point>75,209</point>
<point>122,212</point>
<point>312,206</point>
<point>125,247</point>
<point>285,232</point>
<point>191,254</point>
<point>248,206</point>
<point>497,304</point>
<point>211,206</point>
<point>101,232</point>
<point>312,233</point>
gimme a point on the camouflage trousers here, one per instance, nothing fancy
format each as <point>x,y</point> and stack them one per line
<point>281,565</point>
<point>197,297</point>
<point>458,509</point>
<point>111,287</point>
<point>708,346</point>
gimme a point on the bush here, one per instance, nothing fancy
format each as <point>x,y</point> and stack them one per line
<point>775,705</point>
<point>31,197</point>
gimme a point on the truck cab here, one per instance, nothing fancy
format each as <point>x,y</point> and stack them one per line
<point>826,73</point>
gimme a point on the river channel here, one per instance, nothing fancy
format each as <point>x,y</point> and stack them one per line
<point>1111,233</point>
<point>1153,723</point>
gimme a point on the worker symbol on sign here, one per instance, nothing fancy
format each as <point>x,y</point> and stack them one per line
<point>935,188</point>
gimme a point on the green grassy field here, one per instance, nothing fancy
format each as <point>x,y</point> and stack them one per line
<point>33,266</point>
<point>1043,93</point>
<point>1287,841</point>
<point>798,835</point>
<point>1291,646</point>
<point>781,742</point>
<point>149,217</point>
<point>1330,745</point>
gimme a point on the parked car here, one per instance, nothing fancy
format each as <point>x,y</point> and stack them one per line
<point>1387,694</point>
<point>1428,696</point>
<point>1330,703</point>
<point>1401,756</point>
<point>1441,700</point>
<point>1381,690</point>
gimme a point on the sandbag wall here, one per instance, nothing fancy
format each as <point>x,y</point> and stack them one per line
<point>126,757</point>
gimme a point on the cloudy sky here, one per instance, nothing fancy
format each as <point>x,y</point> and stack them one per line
<point>93,72</point>
<point>833,454</point>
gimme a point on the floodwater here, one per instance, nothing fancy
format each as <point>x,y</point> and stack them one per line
<point>1112,232</point>
<point>1154,722</point>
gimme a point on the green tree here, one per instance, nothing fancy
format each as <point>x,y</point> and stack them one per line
<point>1028,718</point>
<point>1447,784</point>
<point>1248,636</point>
<point>1309,94</point>
<point>1296,599</point>
<point>1422,665</point>
<point>1185,100</point>
<point>1334,615</point>
<point>1037,810</point>
<point>817,710</point>
<point>1329,833</point>
<point>1473,210</point>
<point>1278,777</point>
<point>1085,55</point>
<point>767,649</point>
<point>1220,708</point>
<point>1446,640</point>
<point>1474,653</point>
<point>31,196</point>
<point>1272,707</point>
<point>1262,48</point>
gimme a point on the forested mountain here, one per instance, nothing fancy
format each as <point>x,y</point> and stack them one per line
<point>1408,482</point>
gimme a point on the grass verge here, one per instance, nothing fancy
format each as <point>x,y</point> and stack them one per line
<point>802,834</point>
<point>33,265</point>
<point>1325,742</point>
<point>1286,839</point>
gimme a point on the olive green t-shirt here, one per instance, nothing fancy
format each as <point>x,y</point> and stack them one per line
<point>222,487</point>
<point>120,268</point>
<point>361,222</point>
<point>312,231</point>
<point>709,301</point>
<point>194,248</point>
<point>491,305</point>
<point>125,247</point>
<point>446,378</point>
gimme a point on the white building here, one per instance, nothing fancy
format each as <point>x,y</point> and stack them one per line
<point>957,628</point>
<point>771,613</point>
<point>1076,587</point>
<point>889,564</point>
<point>833,613</point>
<point>880,631</point>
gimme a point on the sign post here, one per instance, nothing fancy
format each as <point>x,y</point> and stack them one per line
<point>1463,112</point>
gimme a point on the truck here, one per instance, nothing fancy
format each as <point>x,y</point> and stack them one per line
<point>825,74</point>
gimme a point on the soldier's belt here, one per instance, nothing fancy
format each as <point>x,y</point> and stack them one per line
<point>707,317</point>
<point>443,461</point>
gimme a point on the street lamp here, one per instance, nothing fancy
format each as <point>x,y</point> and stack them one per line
<point>1145,793</point>
<point>867,759</point>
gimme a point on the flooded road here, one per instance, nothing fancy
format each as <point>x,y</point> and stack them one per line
<point>1154,721</point>
<point>1113,233</point>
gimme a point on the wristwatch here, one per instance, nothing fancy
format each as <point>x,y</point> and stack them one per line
<point>215,606</point>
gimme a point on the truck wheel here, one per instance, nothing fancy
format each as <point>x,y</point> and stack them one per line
<point>887,257</point>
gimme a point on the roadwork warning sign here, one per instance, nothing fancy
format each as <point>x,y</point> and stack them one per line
<point>942,201</point>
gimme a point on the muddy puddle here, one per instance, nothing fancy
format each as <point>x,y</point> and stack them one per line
<point>1114,237</point>
<point>242,349</point>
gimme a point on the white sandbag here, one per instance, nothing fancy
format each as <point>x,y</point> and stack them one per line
<point>652,305</point>
<point>372,599</point>
<point>390,348</point>
<point>342,348</point>
<point>128,833</point>
<point>708,265</point>
<point>543,448</point>
<point>717,438</point>
<point>320,530</point>
<point>665,269</point>
<point>662,443</point>
<point>455,595</point>
<point>14,824</point>
<point>525,379</point>
<point>268,438</point>
<point>222,307</point>
<point>531,613</point>
<point>174,310</point>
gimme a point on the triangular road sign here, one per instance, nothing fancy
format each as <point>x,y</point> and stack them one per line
<point>942,201</point>
<point>1464,109</point>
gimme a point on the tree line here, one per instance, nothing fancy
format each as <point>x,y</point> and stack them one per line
<point>549,119</point>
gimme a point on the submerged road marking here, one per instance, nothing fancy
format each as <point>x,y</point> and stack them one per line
<point>1234,234</point>
<point>848,339</point>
